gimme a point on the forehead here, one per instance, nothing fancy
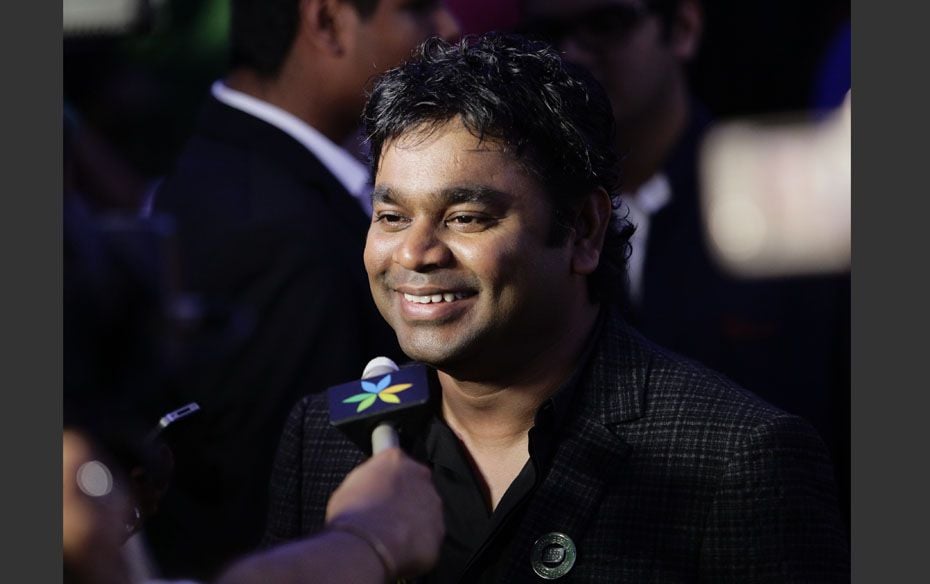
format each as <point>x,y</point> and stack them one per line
<point>428,160</point>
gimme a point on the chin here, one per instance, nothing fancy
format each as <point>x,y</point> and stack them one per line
<point>433,354</point>
<point>434,350</point>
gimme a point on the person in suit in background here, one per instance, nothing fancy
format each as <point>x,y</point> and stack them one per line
<point>785,339</point>
<point>270,218</point>
<point>383,522</point>
<point>563,443</point>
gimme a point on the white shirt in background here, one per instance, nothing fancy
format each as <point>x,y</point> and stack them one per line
<point>352,174</point>
<point>642,205</point>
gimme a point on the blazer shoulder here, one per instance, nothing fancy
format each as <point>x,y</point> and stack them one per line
<point>682,402</point>
<point>214,177</point>
<point>703,392</point>
<point>631,378</point>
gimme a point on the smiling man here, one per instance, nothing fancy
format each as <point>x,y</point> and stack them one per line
<point>271,213</point>
<point>562,443</point>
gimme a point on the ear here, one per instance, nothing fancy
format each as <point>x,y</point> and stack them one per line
<point>687,29</point>
<point>325,24</point>
<point>589,231</point>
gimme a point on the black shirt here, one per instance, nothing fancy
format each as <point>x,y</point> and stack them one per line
<point>478,540</point>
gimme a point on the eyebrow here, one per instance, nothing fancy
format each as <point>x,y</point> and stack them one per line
<point>450,196</point>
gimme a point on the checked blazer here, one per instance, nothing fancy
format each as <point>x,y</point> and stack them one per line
<point>664,472</point>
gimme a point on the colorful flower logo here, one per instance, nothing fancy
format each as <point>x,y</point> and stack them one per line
<point>383,390</point>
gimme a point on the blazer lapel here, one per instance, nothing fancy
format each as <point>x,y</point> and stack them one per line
<point>592,454</point>
<point>583,466</point>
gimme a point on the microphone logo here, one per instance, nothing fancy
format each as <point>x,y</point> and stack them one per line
<point>373,391</point>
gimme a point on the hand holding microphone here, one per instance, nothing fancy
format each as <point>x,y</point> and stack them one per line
<point>383,522</point>
<point>388,501</point>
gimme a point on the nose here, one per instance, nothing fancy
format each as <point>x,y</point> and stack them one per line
<point>421,250</point>
<point>446,25</point>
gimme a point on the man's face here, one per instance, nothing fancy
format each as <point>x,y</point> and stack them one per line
<point>620,42</point>
<point>382,40</point>
<point>388,36</point>
<point>457,254</point>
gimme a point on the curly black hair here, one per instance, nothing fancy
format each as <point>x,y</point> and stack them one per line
<point>551,115</point>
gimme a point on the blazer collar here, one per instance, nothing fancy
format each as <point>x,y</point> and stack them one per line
<point>229,125</point>
<point>616,378</point>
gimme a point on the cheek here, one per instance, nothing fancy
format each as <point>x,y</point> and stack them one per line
<point>621,71</point>
<point>498,263</point>
<point>376,250</point>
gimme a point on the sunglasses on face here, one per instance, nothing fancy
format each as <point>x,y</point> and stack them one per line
<point>590,29</point>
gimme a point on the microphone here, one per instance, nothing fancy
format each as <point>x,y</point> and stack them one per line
<point>370,411</point>
<point>384,435</point>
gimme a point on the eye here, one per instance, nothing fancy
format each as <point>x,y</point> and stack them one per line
<point>469,222</point>
<point>391,220</point>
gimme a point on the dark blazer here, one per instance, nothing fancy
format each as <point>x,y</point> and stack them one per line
<point>665,472</point>
<point>263,230</point>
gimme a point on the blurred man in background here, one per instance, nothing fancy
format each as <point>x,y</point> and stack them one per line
<point>384,522</point>
<point>786,340</point>
<point>271,217</point>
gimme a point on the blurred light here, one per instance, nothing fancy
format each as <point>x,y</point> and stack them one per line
<point>738,228</point>
<point>94,479</point>
<point>777,198</point>
<point>106,17</point>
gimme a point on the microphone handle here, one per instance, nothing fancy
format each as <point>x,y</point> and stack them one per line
<point>384,436</point>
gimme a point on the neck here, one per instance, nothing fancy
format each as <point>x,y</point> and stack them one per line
<point>290,91</point>
<point>646,142</point>
<point>498,414</point>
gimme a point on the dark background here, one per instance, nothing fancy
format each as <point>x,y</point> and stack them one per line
<point>141,92</point>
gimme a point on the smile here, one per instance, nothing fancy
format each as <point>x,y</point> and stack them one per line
<point>435,298</point>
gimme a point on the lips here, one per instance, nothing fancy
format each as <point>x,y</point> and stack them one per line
<point>435,298</point>
<point>433,304</point>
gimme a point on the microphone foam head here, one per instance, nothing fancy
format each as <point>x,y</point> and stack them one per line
<point>379,366</point>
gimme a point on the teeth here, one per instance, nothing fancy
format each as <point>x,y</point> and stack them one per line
<point>433,298</point>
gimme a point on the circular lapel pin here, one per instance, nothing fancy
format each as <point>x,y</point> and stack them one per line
<point>553,555</point>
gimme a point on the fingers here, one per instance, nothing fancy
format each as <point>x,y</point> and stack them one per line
<point>392,497</point>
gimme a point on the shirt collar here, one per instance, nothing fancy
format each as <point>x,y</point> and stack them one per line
<point>552,414</point>
<point>351,174</point>
<point>639,207</point>
<point>440,444</point>
<point>654,194</point>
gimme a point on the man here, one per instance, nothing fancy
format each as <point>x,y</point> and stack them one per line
<point>786,340</point>
<point>563,444</point>
<point>270,223</point>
